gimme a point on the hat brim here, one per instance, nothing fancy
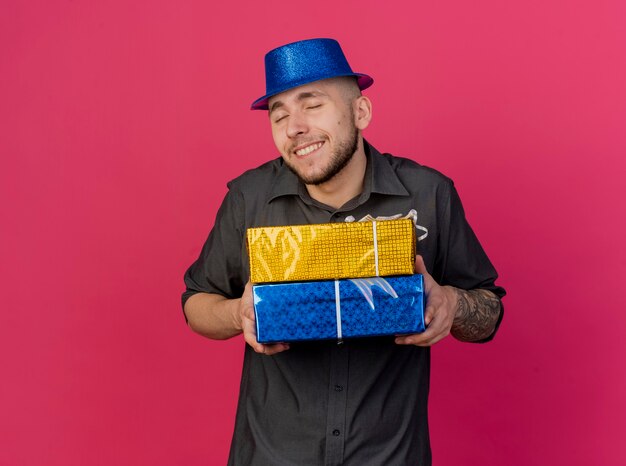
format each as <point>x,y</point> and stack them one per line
<point>363,81</point>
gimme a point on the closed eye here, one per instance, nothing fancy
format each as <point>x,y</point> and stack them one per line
<point>282,117</point>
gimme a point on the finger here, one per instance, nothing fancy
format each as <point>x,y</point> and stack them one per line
<point>267,349</point>
<point>436,331</point>
<point>427,338</point>
<point>249,333</point>
<point>429,315</point>
<point>420,340</point>
<point>254,344</point>
<point>275,348</point>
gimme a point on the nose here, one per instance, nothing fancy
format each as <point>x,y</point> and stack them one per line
<point>296,125</point>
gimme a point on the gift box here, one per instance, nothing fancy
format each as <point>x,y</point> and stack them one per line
<point>331,251</point>
<point>336,309</point>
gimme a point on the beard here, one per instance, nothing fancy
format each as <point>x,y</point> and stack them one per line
<point>342,154</point>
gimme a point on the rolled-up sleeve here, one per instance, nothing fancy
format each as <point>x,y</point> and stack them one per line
<point>462,261</point>
<point>218,269</point>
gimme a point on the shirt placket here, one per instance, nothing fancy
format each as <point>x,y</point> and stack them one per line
<point>337,404</point>
<point>337,387</point>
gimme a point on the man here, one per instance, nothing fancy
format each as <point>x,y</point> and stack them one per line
<point>319,403</point>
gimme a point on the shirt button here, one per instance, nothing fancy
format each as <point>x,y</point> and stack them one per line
<point>336,433</point>
<point>338,388</point>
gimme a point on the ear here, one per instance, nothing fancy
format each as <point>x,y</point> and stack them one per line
<point>362,112</point>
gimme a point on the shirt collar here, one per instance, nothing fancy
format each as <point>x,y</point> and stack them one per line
<point>380,178</point>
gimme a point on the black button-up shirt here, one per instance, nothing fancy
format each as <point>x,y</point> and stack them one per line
<point>363,402</point>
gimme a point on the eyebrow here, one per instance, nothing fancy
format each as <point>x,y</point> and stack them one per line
<point>300,97</point>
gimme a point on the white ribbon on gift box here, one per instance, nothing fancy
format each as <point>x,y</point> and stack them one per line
<point>365,287</point>
<point>338,309</point>
<point>375,234</point>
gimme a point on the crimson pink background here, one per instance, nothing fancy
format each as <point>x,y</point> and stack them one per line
<point>122,121</point>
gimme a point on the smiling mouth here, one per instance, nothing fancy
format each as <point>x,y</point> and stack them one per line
<point>308,149</point>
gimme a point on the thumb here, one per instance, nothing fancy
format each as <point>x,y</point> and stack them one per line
<point>248,301</point>
<point>420,267</point>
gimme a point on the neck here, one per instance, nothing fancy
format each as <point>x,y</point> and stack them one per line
<point>345,185</point>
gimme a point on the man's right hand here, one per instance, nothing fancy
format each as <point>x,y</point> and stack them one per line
<point>248,325</point>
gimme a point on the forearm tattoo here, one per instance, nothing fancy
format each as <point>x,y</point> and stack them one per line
<point>477,315</point>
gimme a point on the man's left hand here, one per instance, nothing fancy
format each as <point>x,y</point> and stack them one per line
<point>441,307</point>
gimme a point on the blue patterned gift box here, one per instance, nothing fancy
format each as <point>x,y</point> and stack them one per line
<point>336,309</point>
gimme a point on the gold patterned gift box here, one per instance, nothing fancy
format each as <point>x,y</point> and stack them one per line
<point>330,251</point>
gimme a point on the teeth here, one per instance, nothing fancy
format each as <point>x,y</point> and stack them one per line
<point>309,149</point>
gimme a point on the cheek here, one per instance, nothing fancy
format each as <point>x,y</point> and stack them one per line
<point>276,136</point>
<point>280,141</point>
